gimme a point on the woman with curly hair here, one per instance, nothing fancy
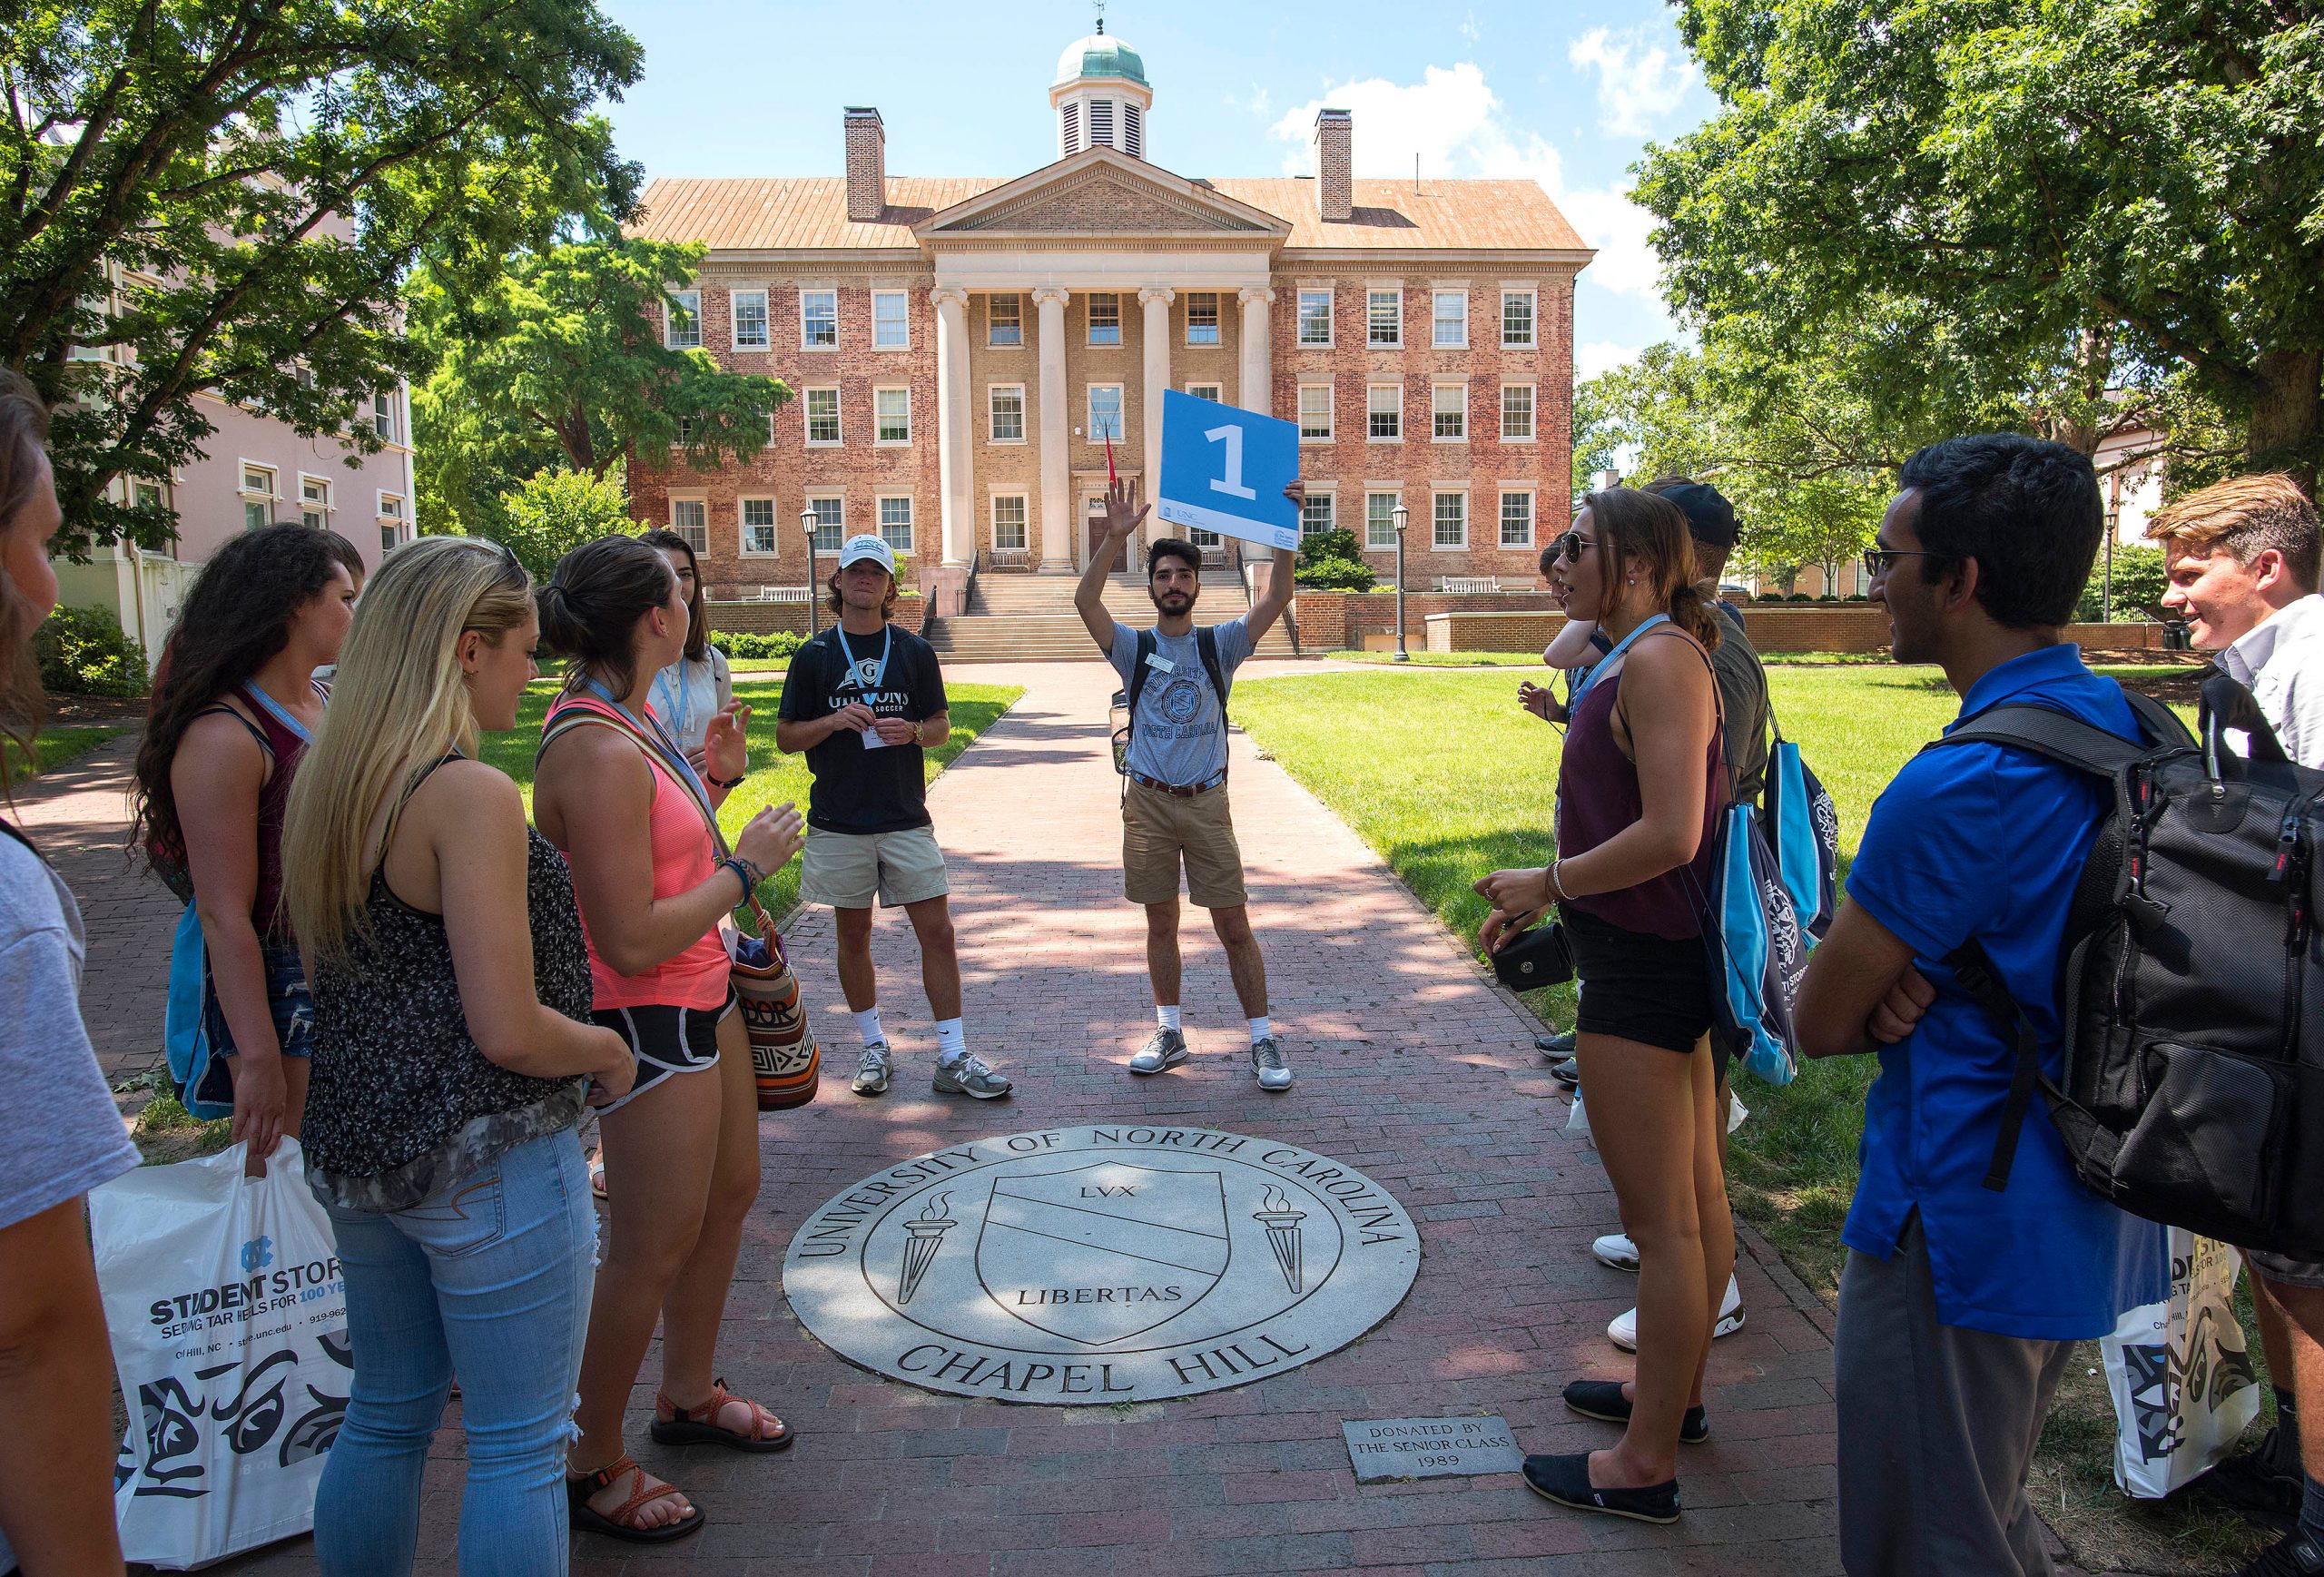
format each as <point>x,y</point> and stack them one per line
<point>234,704</point>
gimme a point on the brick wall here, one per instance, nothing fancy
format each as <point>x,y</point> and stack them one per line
<point>1333,620</point>
<point>1845,629</point>
<point>766,617</point>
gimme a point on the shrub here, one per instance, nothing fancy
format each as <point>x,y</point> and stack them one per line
<point>83,651</point>
<point>752,646</point>
<point>552,512</point>
<point>1331,561</point>
<point>2139,584</point>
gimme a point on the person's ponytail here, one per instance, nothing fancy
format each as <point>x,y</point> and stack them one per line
<point>1647,533</point>
<point>590,607</point>
<point>1691,611</point>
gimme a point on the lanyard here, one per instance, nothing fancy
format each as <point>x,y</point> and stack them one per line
<point>661,684</point>
<point>1582,688</point>
<point>887,644</point>
<point>252,691</point>
<point>651,726</point>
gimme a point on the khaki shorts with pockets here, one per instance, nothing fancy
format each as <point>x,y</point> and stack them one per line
<point>845,870</point>
<point>1159,829</point>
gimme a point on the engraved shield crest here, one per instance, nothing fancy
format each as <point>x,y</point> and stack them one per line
<point>1103,1252</point>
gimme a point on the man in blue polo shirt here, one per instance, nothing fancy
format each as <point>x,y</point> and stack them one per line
<point>1959,1304</point>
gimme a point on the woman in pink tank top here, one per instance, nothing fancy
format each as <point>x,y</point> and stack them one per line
<point>1640,785</point>
<point>614,792</point>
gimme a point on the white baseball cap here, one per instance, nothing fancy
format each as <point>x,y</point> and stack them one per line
<point>856,549</point>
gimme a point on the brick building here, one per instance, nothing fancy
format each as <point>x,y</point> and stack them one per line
<point>960,348</point>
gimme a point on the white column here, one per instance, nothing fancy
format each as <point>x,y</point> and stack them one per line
<point>955,427</point>
<point>1155,300</point>
<point>1258,384</point>
<point>1058,553</point>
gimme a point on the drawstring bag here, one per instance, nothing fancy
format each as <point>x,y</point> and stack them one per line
<point>197,1069</point>
<point>1802,827</point>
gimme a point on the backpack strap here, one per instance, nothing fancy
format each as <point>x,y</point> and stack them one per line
<point>568,717</point>
<point>1207,643</point>
<point>2051,734</point>
<point>1974,969</point>
<point>1138,667</point>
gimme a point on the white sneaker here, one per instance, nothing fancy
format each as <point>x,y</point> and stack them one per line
<point>1623,1331</point>
<point>1617,1251</point>
<point>1268,1065</point>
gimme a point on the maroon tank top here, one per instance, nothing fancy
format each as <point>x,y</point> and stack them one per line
<point>285,744</point>
<point>1598,796</point>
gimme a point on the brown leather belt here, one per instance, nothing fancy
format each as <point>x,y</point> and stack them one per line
<point>1175,791</point>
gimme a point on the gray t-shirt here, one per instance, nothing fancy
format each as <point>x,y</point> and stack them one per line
<point>1179,735</point>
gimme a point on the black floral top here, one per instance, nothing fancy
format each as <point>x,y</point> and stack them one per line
<point>400,1101</point>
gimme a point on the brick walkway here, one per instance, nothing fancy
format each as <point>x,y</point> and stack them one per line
<point>1410,1066</point>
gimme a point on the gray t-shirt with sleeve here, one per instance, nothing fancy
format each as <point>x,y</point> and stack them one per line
<point>1179,735</point>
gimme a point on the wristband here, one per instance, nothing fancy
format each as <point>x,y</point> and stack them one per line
<point>750,875</point>
<point>723,782</point>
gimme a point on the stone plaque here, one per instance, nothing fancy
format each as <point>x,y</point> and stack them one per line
<point>1383,1448</point>
<point>1113,1262</point>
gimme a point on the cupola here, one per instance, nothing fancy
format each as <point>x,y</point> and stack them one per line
<point>1100,95</point>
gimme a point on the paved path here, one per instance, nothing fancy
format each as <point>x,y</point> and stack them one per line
<point>1410,1065</point>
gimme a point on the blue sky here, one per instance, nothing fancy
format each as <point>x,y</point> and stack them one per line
<point>1565,95</point>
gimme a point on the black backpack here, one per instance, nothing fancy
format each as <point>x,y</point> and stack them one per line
<point>1206,642</point>
<point>2193,981</point>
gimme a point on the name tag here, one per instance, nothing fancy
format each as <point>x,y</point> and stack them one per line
<point>1157,660</point>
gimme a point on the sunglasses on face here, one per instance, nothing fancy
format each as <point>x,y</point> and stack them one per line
<point>1567,548</point>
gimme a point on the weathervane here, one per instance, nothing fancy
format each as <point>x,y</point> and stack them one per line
<point>1100,5</point>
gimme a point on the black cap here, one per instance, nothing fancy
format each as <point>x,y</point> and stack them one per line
<point>1710,519</point>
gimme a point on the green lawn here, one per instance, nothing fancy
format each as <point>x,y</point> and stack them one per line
<point>1445,659</point>
<point>55,746</point>
<point>775,777</point>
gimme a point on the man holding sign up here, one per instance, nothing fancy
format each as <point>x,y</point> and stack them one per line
<point>1223,470</point>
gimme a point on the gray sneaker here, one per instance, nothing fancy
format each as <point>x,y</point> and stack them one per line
<point>1164,1048</point>
<point>1268,1063</point>
<point>970,1076</point>
<point>872,1073</point>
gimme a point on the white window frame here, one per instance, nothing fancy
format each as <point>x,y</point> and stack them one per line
<point>1386,542</point>
<point>805,343</point>
<point>1089,409</point>
<point>685,434</point>
<point>1024,521</point>
<point>1328,496</point>
<point>393,522</point>
<point>1436,413</point>
<point>387,415</point>
<point>1371,342</point>
<point>700,500</point>
<point>902,297</point>
<point>991,328</point>
<point>251,497</point>
<point>1217,321</point>
<point>1501,520</point>
<point>1436,494</point>
<point>1532,414</point>
<point>807,416</point>
<point>1325,436</point>
<point>838,527</point>
<point>1437,320</point>
<point>879,502</point>
<point>992,396</point>
<point>311,505</point>
<point>735,299</point>
<point>743,526</point>
<point>1299,318</point>
<point>1210,389</point>
<point>1532,340</point>
<point>1371,409</point>
<point>879,419</point>
<point>1090,319</point>
<point>674,302</point>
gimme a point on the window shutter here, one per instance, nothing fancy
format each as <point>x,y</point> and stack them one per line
<point>1133,132</point>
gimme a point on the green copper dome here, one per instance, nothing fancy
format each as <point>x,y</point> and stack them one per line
<point>1100,55</point>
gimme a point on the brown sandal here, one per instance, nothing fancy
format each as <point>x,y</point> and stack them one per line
<point>624,1524</point>
<point>674,1425</point>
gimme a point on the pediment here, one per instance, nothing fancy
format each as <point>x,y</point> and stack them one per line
<point>1101,192</point>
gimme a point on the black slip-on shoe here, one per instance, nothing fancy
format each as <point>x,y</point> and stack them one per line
<point>1603,1399</point>
<point>1566,1480</point>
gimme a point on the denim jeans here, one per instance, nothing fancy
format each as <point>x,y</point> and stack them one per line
<point>489,1279</point>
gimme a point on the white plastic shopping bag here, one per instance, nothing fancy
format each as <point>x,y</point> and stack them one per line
<point>228,1313</point>
<point>1577,1122</point>
<point>2181,1380</point>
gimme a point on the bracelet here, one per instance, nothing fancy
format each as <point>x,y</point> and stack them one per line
<point>724,782</point>
<point>751,875</point>
<point>1556,886</point>
<point>915,731</point>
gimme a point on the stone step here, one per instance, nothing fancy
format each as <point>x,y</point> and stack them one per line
<point>1036,638</point>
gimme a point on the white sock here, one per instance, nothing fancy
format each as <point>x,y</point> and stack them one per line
<point>867,1024</point>
<point>1168,1017</point>
<point>951,1042</point>
<point>1261,1028</point>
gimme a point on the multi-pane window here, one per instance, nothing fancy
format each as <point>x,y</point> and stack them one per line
<point>1379,520</point>
<point>1383,409</point>
<point>682,326</point>
<point>749,320</point>
<point>685,433</point>
<point>891,329</point>
<point>1105,317</point>
<point>383,415</point>
<point>1517,411</point>
<point>822,415</point>
<point>818,319</point>
<point>758,525</point>
<point>830,521</point>
<point>1315,514</point>
<point>1105,412</point>
<point>690,518</point>
<point>1202,316</point>
<point>1004,323</point>
<point>1009,522</point>
<point>1452,320</point>
<point>1315,412</point>
<point>391,522</point>
<point>895,524</point>
<point>1517,320</point>
<point>257,497</point>
<point>1314,317</point>
<point>1210,391</point>
<point>314,501</point>
<point>1517,519</point>
<point>892,416</point>
<point>1448,406</point>
<point>1451,526</point>
<point>1007,403</point>
<point>1383,316</point>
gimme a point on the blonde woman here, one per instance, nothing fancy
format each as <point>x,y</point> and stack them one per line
<point>452,1056</point>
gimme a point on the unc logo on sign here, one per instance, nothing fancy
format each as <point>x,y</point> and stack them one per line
<point>1105,1264</point>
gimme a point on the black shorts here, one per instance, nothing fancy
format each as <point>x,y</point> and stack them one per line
<point>1638,987</point>
<point>666,1041</point>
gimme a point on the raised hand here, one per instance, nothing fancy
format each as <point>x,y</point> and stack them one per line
<point>1124,513</point>
<point>725,743</point>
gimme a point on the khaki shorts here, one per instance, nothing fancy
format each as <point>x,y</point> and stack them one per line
<point>845,870</point>
<point>1158,829</point>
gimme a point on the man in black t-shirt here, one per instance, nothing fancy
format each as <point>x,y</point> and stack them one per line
<point>862,700</point>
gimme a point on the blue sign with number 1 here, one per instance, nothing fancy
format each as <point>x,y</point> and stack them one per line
<point>1224,470</point>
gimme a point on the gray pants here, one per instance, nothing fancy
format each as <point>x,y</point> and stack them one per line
<point>1936,1429</point>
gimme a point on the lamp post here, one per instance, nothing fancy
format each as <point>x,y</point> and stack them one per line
<point>1403,518</point>
<point>808,522</point>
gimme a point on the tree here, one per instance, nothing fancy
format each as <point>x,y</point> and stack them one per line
<point>2139,583</point>
<point>260,179</point>
<point>547,516</point>
<point>563,353</point>
<point>2072,199</point>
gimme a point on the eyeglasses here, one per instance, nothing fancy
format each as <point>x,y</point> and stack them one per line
<point>1568,547</point>
<point>1877,560</point>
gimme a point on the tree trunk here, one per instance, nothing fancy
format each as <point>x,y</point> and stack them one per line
<point>2287,415</point>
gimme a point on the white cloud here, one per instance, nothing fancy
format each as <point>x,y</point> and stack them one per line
<point>1601,356</point>
<point>1639,81</point>
<point>1469,28</point>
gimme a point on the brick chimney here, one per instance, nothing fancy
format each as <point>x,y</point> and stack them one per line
<point>1334,186</point>
<point>866,163</point>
